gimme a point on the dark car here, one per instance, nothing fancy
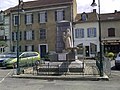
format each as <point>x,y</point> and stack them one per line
<point>117,61</point>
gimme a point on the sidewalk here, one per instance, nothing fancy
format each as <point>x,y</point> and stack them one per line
<point>82,77</point>
<point>63,77</point>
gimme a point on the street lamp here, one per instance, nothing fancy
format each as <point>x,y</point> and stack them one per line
<point>100,41</point>
<point>20,3</point>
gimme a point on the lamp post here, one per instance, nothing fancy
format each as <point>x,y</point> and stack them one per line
<point>100,41</point>
<point>20,3</point>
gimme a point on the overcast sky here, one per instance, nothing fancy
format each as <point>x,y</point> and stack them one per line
<point>107,6</point>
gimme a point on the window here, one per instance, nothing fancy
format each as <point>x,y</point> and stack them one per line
<point>42,17</point>
<point>91,32</point>
<point>15,48</point>
<point>2,31</point>
<point>42,34</point>
<point>20,35</point>
<point>14,36</point>
<point>29,54</point>
<point>79,33</point>
<point>84,16</point>
<point>111,32</point>
<point>2,49</point>
<point>29,18</point>
<point>29,35</point>
<point>59,15</point>
<point>32,54</point>
<point>16,19</point>
<point>80,49</point>
<point>29,48</point>
<point>93,48</point>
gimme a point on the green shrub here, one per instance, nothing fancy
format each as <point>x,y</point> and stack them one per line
<point>110,55</point>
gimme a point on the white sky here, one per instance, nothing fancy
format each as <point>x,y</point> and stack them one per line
<point>107,6</point>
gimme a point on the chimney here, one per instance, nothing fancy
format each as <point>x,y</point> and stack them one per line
<point>94,10</point>
<point>115,11</point>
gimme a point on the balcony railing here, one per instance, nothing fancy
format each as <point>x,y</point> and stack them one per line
<point>3,38</point>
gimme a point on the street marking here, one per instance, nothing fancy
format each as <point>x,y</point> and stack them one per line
<point>5,76</point>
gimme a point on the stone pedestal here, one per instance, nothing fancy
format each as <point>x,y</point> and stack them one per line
<point>62,56</point>
<point>70,56</point>
<point>53,57</point>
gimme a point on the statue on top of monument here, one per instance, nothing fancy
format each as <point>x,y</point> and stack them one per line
<point>67,39</point>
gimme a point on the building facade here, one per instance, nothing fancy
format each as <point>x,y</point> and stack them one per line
<point>4,32</point>
<point>86,34</point>
<point>38,24</point>
<point>110,27</point>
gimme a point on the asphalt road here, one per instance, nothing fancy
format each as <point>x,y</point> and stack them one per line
<point>7,83</point>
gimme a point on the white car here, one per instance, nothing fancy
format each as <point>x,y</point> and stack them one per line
<point>117,61</point>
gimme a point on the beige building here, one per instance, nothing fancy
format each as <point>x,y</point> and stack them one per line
<point>110,27</point>
<point>38,24</point>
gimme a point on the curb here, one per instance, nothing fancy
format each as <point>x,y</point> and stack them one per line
<point>67,77</point>
<point>104,78</point>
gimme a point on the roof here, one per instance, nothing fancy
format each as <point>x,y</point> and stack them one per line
<point>41,3</point>
<point>91,17</point>
<point>110,16</point>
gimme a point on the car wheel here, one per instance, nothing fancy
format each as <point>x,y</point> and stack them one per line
<point>37,62</point>
<point>15,65</point>
<point>116,67</point>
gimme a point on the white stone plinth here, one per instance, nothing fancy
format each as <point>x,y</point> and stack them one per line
<point>62,56</point>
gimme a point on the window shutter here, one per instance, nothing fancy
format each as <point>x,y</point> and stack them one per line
<point>94,32</point>
<point>25,19</point>
<point>25,35</point>
<point>16,35</point>
<point>25,48</point>
<point>75,33</point>
<point>12,36</point>
<point>82,33</point>
<point>13,49</point>
<point>88,33</point>
<point>32,17</point>
<point>32,47</point>
<point>40,33</point>
<point>46,16</point>
<point>20,35</point>
<point>13,20</point>
<point>55,15</point>
<point>32,35</point>
<point>63,15</point>
<point>20,48</point>
<point>18,20</point>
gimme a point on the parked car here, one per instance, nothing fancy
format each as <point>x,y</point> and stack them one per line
<point>6,56</point>
<point>25,58</point>
<point>117,61</point>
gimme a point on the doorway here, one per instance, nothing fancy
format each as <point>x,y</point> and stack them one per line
<point>43,50</point>
<point>87,51</point>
